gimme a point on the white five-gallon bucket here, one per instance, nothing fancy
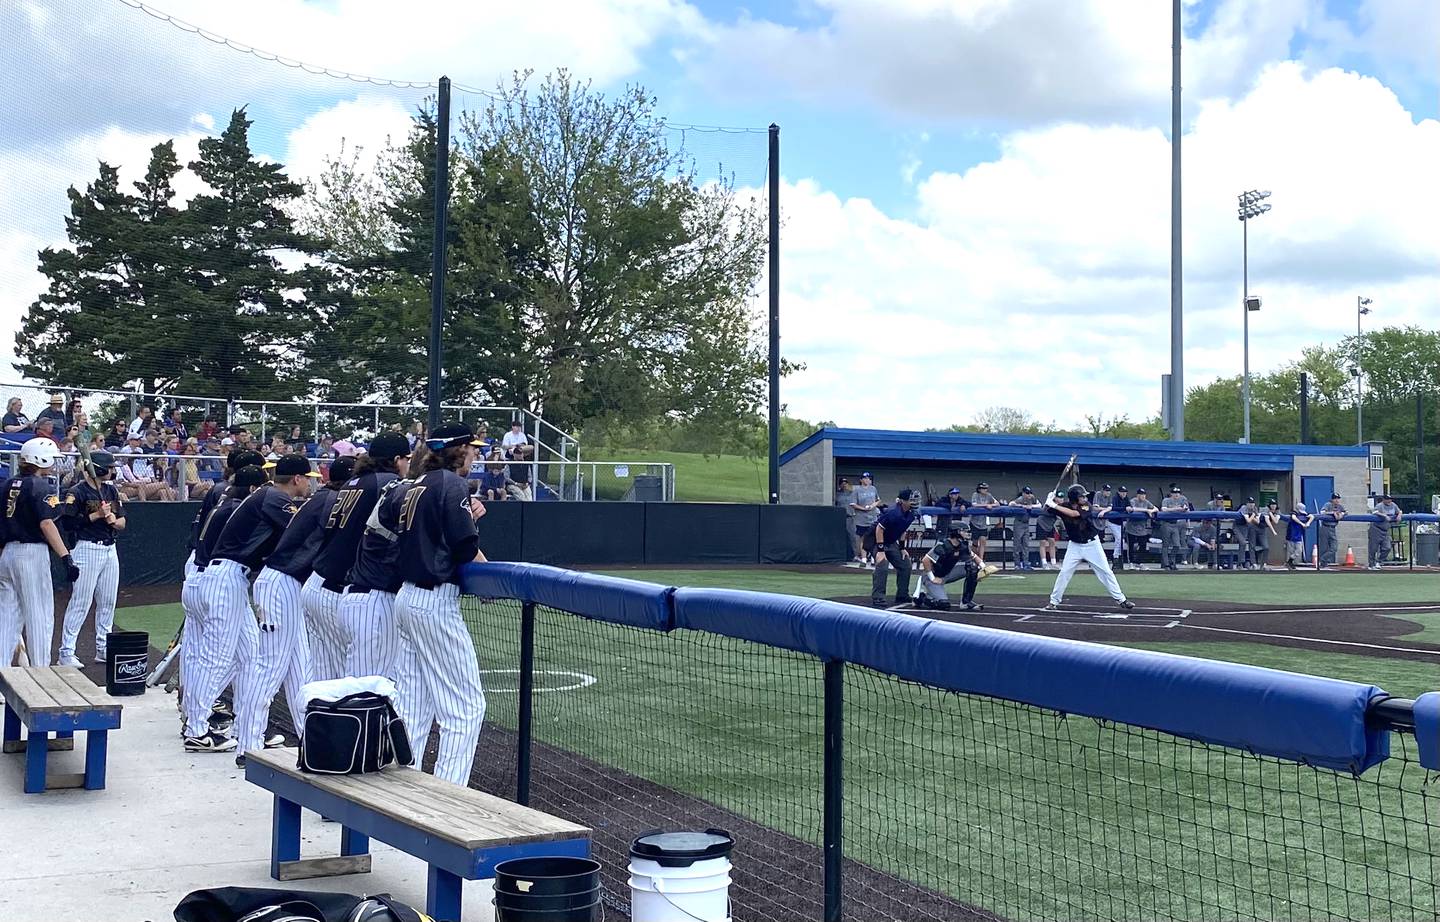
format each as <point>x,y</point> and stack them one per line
<point>681,877</point>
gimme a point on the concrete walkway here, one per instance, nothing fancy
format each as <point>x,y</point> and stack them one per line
<point>168,822</point>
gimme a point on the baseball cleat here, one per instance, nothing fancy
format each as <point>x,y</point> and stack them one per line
<point>240,760</point>
<point>70,659</point>
<point>1050,607</point>
<point>1127,604</point>
<point>275,741</point>
<point>973,606</point>
<point>100,658</point>
<point>210,742</point>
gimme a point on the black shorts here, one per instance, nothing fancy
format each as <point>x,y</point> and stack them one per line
<point>863,530</point>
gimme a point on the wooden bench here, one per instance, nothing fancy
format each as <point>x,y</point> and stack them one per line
<point>61,700</point>
<point>460,833</point>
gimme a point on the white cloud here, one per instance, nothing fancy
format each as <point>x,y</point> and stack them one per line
<point>1051,263</point>
<point>365,124</point>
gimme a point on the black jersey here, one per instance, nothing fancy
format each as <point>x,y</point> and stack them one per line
<point>437,532</point>
<point>1079,530</point>
<point>345,525</point>
<point>943,557</point>
<point>211,530</point>
<point>28,502</point>
<point>253,531</point>
<point>294,553</point>
<point>208,502</point>
<point>375,566</point>
<point>84,501</point>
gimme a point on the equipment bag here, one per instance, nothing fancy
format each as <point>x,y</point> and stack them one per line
<point>357,734</point>
<point>253,904</point>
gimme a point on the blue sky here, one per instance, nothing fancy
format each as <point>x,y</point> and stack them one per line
<point>964,171</point>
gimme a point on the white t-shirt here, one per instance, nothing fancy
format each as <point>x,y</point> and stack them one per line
<point>513,439</point>
<point>137,425</point>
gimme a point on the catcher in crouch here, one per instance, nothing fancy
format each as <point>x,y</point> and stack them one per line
<point>950,561</point>
<point>1074,512</point>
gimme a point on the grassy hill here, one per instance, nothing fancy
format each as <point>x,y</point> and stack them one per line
<point>698,479</point>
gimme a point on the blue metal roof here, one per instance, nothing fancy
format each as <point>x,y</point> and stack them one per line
<point>883,444</point>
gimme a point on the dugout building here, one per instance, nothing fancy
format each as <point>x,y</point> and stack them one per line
<point>936,461</point>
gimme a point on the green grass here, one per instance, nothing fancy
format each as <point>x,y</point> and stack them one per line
<point>159,621</point>
<point>698,478</point>
<point>1429,623</point>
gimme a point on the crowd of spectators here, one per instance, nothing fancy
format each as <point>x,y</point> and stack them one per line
<point>160,459</point>
<point>1129,526</point>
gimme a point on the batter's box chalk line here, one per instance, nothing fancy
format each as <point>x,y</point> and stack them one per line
<point>580,680</point>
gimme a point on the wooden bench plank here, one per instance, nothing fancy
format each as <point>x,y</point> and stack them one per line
<point>465,817</point>
<point>95,694</point>
<point>63,695</point>
<point>23,694</point>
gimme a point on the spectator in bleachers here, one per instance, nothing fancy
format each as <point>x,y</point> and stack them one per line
<point>176,423</point>
<point>208,427</point>
<point>1300,520</point>
<point>1137,531</point>
<point>64,471</point>
<point>135,476</point>
<point>118,436</point>
<point>212,464</point>
<point>1335,511</point>
<point>45,429</point>
<point>144,420</point>
<point>494,483</point>
<point>325,447</point>
<point>1021,527</point>
<point>482,432</point>
<point>55,412</point>
<point>515,437</point>
<point>867,509</point>
<point>520,487</point>
<point>15,419</point>
<point>185,477</point>
<point>1380,543</point>
<point>980,525</point>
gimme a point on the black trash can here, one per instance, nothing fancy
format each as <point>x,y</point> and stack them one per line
<point>1427,550</point>
<point>127,662</point>
<point>547,890</point>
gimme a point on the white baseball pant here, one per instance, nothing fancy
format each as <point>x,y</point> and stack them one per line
<point>228,642</point>
<point>327,640</point>
<point>99,581</point>
<point>282,658</point>
<point>445,656</point>
<point>192,602</point>
<point>27,599</point>
<point>1092,553</point>
<point>367,620</point>
<point>412,699</point>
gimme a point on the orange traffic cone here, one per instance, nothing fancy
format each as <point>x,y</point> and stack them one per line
<point>1349,556</point>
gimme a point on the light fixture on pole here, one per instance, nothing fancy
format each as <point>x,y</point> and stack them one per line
<point>1250,207</point>
<point>1361,309</point>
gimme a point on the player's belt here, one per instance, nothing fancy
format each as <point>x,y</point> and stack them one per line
<point>332,585</point>
<point>234,563</point>
<point>103,542</point>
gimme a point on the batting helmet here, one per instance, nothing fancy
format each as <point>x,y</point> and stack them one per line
<point>959,531</point>
<point>1077,492</point>
<point>40,452</point>
<point>102,460</point>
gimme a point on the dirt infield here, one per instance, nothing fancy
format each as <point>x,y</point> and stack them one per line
<point>1367,630</point>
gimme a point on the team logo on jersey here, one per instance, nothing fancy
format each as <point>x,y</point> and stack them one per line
<point>53,500</point>
<point>70,499</point>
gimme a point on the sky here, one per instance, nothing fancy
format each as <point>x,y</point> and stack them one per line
<point>975,193</point>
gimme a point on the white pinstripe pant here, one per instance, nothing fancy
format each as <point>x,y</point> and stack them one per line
<point>27,598</point>
<point>99,580</point>
<point>282,658</point>
<point>192,603</point>
<point>445,658</point>
<point>228,642</point>
<point>327,640</point>
<point>378,648</point>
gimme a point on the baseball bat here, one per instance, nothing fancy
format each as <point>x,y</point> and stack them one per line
<point>170,653</point>
<point>1069,467</point>
<point>87,465</point>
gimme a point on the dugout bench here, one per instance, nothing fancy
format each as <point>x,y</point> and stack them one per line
<point>59,700</point>
<point>459,832</point>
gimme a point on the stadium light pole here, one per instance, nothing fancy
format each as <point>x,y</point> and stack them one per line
<point>1362,307</point>
<point>437,265</point>
<point>1177,293</point>
<point>1250,207</point>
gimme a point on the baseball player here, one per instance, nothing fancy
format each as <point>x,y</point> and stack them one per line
<point>1172,532</point>
<point>949,561</point>
<point>1028,501</point>
<point>1247,533</point>
<point>1330,515</point>
<point>344,526</point>
<point>27,597</point>
<point>1137,530</point>
<point>1380,543</point>
<point>367,612</point>
<point>1300,520</point>
<point>1084,547</point>
<point>980,525</point>
<point>1269,518</point>
<point>247,539</point>
<point>436,534</point>
<point>212,665</point>
<point>94,517</point>
<point>283,651</point>
<point>1105,503</point>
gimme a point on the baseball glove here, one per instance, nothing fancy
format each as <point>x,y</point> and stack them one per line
<point>986,571</point>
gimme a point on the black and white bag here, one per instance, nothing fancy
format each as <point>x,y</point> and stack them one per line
<point>353,735</point>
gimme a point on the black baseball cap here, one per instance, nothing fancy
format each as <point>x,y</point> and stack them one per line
<point>1028,490</point>
<point>1125,489</point>
<point>982,485</point>
<point>342,469</point>
<point>244,458</point>
<point>1174,488</point>
<point>1249,499</point>
<point>1107,486</point>
<point>251,475</point>
<point>446,436</point>
<point>905,495</point>
<point>866,474</point>
<point>389,445</point>
<point>102,460</point>
<point>293,465</point>
<point>1137,492</point>
<point>954,491</point>
<point>1334,495</point>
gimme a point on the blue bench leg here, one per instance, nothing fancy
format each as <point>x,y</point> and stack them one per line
<point>442,895</point>
<point>96,744</point>
<point>12,724</point>
<point>353,843</point>
<point>37,747</point>
<point>284,834</point>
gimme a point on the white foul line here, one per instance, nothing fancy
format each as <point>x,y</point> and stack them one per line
<point>1339,611</point>
<point>1341,643</point>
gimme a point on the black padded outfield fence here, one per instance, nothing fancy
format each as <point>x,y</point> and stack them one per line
<point>881,766</point>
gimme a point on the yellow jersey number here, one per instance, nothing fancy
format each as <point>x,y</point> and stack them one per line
<point>344,505</point>
<point>407,507</point>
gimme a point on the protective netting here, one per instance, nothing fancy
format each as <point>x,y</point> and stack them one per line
<point>956,807</point>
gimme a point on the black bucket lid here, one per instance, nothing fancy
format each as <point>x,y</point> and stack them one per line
<point>682,849</point>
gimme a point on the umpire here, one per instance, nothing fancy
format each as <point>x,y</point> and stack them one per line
<point>890,550</point>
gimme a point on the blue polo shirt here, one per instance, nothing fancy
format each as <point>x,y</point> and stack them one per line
<point>896,522</point>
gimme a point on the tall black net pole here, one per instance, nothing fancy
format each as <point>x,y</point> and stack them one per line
<point>437,271</point>
<point>774,171</point>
